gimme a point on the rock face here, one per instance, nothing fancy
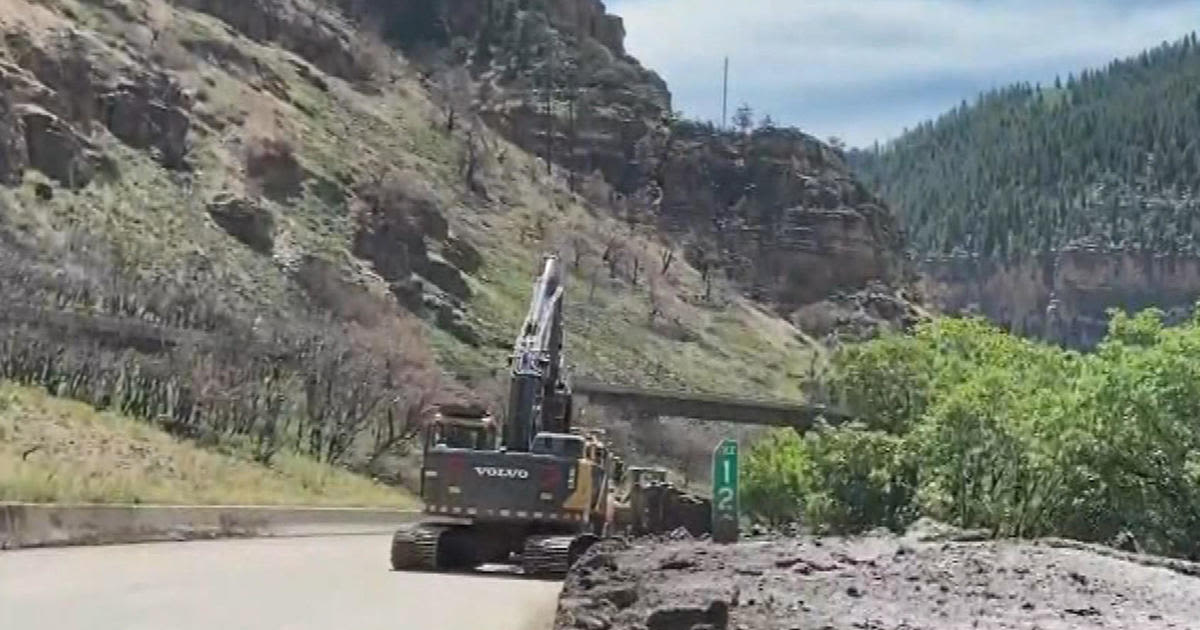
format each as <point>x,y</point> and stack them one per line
<point>13,155</point>
<point>777,212</point>
<point>149,113</point>
<point>402,232</point>
<point>316,35</point>
<point>1064,296</point>
<point>54,148</point>
<point>63,83</point>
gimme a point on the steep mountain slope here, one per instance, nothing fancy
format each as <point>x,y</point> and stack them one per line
<point>296,225</point>
<point>1070,199</point>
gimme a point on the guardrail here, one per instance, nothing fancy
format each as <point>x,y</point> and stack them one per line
<point>25,525</point>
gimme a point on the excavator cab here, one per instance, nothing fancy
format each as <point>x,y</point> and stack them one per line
<point>462,428</point>
<point>565,445</point>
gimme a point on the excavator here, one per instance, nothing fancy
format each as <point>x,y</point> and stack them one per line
<point>529,487</point>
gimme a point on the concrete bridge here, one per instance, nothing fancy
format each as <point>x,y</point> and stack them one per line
<point>656,402</point>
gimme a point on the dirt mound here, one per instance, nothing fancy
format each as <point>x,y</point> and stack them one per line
<point>878,582</point>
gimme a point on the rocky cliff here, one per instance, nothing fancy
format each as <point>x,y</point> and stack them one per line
<point>774,211</point>
<point>1063,296</point>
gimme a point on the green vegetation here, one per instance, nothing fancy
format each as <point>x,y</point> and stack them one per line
<point>62,451</point>
<point>1109,158</point>
<point>975,427</point>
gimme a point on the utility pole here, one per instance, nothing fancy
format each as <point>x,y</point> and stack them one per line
<point>725,95</point>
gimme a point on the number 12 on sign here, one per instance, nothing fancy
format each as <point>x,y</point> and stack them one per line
<point>725,492</point>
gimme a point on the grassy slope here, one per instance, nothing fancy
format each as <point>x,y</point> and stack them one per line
<point>55,450</point>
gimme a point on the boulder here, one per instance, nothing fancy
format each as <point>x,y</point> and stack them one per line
<point>246,220</point>
<point>149,114</point>
<point>54,148</point>
<point>446,276</point>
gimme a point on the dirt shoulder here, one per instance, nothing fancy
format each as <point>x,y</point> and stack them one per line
<point>877,583</point>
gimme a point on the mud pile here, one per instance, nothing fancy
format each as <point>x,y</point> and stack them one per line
<point>877,583</point>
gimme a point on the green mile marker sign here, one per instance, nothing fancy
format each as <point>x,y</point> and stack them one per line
<point>725,492</point>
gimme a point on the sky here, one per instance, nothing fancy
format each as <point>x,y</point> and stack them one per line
<point>864,70</point>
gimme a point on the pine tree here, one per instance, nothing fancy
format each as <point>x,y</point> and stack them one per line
<point>1111,157</point>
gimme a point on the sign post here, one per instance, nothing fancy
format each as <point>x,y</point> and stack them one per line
<point>725,492</point>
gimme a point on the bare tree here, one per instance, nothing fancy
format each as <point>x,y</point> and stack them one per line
<point>455,94</point>
<point>667,257</point>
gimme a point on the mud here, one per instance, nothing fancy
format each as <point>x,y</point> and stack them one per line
<point>872,583</point>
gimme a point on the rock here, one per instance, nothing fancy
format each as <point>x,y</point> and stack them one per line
<point>446,276</point>
<point>462,255</point>
<point>622,596</point>
<point>54,148</point>
<point>246,220</point>
<point>591,622</point>
<point>684,618</point>
<point>309,31</point>
<point>13,157</point>
<point>675,564</point>
<point>149,113</point>
<point>456,322</point>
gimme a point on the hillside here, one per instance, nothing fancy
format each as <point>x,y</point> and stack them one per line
<point>335,210</point>
<point>58,451</point>
<point>1042,206</point>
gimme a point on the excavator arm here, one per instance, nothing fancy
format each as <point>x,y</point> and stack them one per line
<point>539,395</point>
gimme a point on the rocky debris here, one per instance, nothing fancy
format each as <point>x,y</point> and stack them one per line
<point>926,529</point>
<point>244,219</point>
<point>13,156</point>
<point>858,315</point>
<point>879,581</point>
<point>54,148</point>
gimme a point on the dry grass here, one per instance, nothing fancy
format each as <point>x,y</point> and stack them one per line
<point>52,450</point>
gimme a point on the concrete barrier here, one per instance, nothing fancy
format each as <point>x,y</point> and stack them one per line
<point>43,525</point>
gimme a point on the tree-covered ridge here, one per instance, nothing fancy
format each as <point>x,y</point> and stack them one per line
<point>1109,158</point>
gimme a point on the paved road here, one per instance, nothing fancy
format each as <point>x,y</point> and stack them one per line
<point>294,583</point>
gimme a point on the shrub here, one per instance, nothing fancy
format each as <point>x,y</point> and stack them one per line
<point>970,425</point>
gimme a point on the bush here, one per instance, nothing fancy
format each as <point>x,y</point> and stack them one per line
<point>966,424</point>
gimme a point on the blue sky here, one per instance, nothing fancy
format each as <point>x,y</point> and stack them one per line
<point>866,69</point>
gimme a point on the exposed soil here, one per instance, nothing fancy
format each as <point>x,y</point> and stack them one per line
<point>876,583</point>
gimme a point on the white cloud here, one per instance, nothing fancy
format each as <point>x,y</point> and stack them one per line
<point>863,69</point>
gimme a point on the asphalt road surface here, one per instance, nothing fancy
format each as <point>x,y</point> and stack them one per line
<point>294,583</point>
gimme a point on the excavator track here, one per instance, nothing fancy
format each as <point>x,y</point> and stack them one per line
<point>553,555</point>
<point>415,547</point>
